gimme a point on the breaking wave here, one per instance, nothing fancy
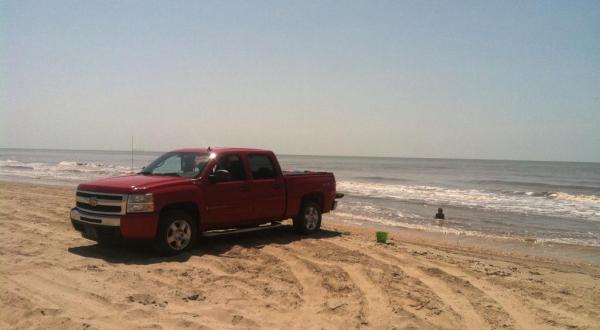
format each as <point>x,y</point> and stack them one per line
<point>358,219</point>
<point>382,179</point>
<point>585,207</point>
<point>541,186</point>
<point>66,170</point>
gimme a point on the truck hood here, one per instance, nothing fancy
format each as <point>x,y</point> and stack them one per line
<point>131,183</point>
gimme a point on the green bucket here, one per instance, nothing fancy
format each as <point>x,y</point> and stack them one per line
<point>382,236</point>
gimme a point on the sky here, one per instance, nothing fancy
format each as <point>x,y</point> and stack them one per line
<point>436,79</point>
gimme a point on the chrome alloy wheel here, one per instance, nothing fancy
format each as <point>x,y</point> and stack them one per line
<point>311,218</point>
<point>179,234</point>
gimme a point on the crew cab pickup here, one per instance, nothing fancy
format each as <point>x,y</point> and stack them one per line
<point>187,192</point>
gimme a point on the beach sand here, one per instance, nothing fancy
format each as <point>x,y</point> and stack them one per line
<point>50,277</point>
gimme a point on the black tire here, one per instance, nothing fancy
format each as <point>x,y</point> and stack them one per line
<point>177,232</point>
<point>308,220</point>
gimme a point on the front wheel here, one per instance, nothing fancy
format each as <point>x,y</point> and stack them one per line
<point>176,233</point>
<point>308,219</point>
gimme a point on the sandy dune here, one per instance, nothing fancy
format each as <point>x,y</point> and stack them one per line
<point>50,277</point>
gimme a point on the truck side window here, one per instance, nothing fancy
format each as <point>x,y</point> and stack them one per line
<point>262,167</point>
<point>233,164</point>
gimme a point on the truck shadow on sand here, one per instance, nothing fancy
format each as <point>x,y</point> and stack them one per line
<point>141,253</point>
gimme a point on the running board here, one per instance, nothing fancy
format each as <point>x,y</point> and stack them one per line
<point>213,233</point>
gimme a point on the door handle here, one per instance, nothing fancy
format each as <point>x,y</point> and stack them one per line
<point>244,188</point>
<point>277,186</point>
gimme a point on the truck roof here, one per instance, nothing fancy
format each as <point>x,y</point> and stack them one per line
<point>218,150</point>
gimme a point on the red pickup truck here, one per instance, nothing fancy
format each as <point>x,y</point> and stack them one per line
<point>187,192</point>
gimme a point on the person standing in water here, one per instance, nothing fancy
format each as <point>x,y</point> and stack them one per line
<point>440,214</point>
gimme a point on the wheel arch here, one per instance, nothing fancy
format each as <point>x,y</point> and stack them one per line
<point>315,197</point>
<point>190,208</point>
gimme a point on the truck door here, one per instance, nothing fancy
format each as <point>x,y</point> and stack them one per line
<point>229,203</point>
<point>268,190</point>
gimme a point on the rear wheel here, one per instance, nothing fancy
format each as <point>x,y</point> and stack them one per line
<point>176,233</point>
<point>308,219</point>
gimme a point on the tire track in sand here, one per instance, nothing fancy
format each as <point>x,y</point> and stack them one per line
<point>314,311</point>
<point>378,313</point>
<point>313,293</point>
<point>455,298</point>
<point>393,297</point>
<point>499,309</point>
<point>523,316</point>
<point>336,290</point>
<point>72,301</point>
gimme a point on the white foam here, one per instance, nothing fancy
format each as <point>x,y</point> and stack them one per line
<point>591,199</point>
<point>67,170</point>
<point>361,220</point>
<point>585,207</point>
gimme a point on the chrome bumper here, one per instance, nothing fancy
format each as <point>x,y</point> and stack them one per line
<point>95,219</point>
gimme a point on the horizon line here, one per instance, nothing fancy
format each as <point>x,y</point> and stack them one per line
<point>322,155</point>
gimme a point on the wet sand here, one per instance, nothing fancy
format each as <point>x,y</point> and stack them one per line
<point>50,277</point>
<point>518,247</point>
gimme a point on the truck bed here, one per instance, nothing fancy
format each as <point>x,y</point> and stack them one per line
<point>300,184</point>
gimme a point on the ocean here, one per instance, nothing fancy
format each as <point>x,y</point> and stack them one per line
<point>557,202</point>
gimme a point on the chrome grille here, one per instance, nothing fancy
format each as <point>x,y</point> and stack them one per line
<point>101,203</point>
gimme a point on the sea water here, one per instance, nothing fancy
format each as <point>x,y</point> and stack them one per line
<point>556,202</point>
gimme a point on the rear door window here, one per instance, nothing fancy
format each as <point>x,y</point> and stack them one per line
<point>262,167</point>
<point>233,164</point>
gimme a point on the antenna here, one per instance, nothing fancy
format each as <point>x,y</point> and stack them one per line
<point>132,154</point>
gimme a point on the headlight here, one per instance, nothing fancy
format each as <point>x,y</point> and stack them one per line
<point>140,203</point>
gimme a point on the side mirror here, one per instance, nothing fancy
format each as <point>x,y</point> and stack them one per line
<point>219,176</point>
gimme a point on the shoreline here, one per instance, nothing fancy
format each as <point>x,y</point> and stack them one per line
<point>499,245</point>
<point>339,278</point>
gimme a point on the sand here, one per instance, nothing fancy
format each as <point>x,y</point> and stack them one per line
<point>50,277</point>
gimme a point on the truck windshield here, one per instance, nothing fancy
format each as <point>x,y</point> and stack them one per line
<point>184,164</point>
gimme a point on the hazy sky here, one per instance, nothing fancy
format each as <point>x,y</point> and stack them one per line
<point>458,79</point>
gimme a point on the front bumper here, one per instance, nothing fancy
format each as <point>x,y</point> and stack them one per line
<point>104,227</point>
<point>95,219</point>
